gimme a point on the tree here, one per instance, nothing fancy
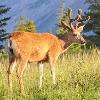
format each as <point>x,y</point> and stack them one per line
<point>94,13</point>
<point>23,24</point>
<point>3,23</point>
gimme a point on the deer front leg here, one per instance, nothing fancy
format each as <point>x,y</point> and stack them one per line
<point>40,69</point>
<point>53,74</point>
<point>52,61</point>
<point>53,55</point>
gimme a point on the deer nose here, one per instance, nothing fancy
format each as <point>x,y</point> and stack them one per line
<point>83,43</point>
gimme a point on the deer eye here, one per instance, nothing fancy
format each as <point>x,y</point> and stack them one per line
<point>74,34</point>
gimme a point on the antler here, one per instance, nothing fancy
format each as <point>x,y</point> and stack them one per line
<point>79,20</point>
<point>73,24</point>
<point>64,25</point>
<point>65,22</point>
<point>80,17</point>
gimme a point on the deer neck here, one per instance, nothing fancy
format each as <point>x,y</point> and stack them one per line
<point>66,43</point>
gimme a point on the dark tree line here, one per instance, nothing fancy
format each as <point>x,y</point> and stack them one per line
<point>94,23</point>
<point>94,12</point>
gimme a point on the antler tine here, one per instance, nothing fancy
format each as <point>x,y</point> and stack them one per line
<point>69,11</point>
<point>79,14</point>
<point>79,20</point>
<point>72,27</point>
<point>76,21</point>
<point>65,23</point>
<point>80,17</point>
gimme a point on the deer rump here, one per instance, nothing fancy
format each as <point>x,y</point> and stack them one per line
<point>34,46</point>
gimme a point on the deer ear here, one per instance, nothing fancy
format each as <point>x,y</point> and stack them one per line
<point>80,29</point>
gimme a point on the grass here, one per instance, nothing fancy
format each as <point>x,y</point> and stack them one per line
<point>78,78</point>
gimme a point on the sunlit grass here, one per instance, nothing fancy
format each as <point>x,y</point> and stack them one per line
<point>78,78</point>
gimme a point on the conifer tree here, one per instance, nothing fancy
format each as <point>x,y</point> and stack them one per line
<point>94,13</point>
<point>3,23</point>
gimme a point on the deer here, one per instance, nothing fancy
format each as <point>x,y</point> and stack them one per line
<point>25,47</point>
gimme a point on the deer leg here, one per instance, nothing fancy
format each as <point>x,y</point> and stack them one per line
<point>53,73</point>
<point>52,68</point>
<point>12,64</point>
<point>53,56</point>
<point>40,69</point>
<point>21,67</point>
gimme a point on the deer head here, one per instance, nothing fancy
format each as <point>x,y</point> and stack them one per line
<point>75,28</point>
<point>75,36</point>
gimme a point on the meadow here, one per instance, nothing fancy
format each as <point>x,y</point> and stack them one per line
<point>78,78</point>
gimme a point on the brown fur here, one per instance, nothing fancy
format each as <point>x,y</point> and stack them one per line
<point>29,47</point>
<point>36,47</point>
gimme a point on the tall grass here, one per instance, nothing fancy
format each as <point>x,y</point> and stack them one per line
<point>78,78</point>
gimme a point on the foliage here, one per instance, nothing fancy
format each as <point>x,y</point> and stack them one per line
<point>74,48</point>
<point>78,78</point>
<point>3,23</point>
<point>94,12</point>
<point>93,41</point>
<point>23,24</point>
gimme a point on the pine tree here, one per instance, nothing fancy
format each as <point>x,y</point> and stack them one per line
<point>94,13</point>
<point>23,24</point>
<point>3,23</point>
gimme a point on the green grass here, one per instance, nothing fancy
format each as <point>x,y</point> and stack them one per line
<point>78,78</point>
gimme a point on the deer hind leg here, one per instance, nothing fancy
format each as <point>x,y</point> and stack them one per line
<point>20,69</point>
<point>40,69</point>
<point>12,64</point>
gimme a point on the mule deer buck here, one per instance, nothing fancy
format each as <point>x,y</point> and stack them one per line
<point>28,47</point>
